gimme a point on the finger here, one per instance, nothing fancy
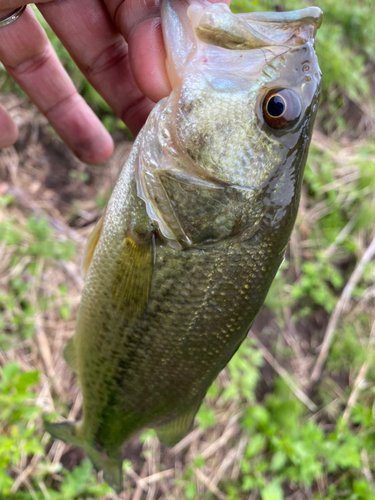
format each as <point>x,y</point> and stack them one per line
<point>101,53</point>
<point>8,129</point>
<point>140,24</point>
<point>30,59</point>
<point>91,38</point>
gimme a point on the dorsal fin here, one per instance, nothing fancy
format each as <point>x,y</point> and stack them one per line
<point>90,246</point>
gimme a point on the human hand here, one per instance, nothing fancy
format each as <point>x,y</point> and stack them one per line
<point>118,46</point>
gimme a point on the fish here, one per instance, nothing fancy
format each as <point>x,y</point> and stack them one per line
<point>197,225</point>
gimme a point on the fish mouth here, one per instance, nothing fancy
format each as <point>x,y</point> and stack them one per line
<point>191,27</point>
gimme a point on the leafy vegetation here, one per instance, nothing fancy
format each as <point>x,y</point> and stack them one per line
<point>20,419</point>
<point>263,433</point>
<point>28,246</point>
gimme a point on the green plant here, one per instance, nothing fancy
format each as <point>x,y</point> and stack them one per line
<point>18,421</point>
<point>29,248</point>
<point>21,439</point>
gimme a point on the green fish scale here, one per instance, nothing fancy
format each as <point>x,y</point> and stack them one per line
<point>173,356</point>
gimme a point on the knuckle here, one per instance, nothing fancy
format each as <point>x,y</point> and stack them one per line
<point>110,57</point>
<point>32,64</point>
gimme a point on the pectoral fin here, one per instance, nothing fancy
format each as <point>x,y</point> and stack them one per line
<point>90,246</point>
<point>173,432</point>
<point>132,275</point>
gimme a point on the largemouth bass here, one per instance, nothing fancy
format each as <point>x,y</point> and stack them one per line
<point>197,224</point>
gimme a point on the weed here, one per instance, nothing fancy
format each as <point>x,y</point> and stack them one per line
<point>29,248</point>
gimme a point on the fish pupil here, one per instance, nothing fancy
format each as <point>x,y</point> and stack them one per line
<point>276,106</point>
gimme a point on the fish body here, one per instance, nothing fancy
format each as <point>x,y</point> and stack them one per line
<point>197,224</point>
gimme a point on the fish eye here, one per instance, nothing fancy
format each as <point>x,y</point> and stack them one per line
<point>281,107</point>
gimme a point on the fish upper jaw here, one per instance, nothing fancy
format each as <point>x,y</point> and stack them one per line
<point>193,29</point>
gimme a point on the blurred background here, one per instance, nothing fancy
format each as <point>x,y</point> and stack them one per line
<point>292,416</point>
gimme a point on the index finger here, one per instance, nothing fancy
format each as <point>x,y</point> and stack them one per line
<point>101,53</point>
<point>140,24</point>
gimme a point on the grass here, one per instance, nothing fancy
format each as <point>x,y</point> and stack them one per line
<point>268,429</point>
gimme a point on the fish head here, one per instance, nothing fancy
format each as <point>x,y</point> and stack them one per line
<point>245,89</point>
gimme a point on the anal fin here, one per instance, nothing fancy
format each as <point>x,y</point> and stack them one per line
<point>170,434</point>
